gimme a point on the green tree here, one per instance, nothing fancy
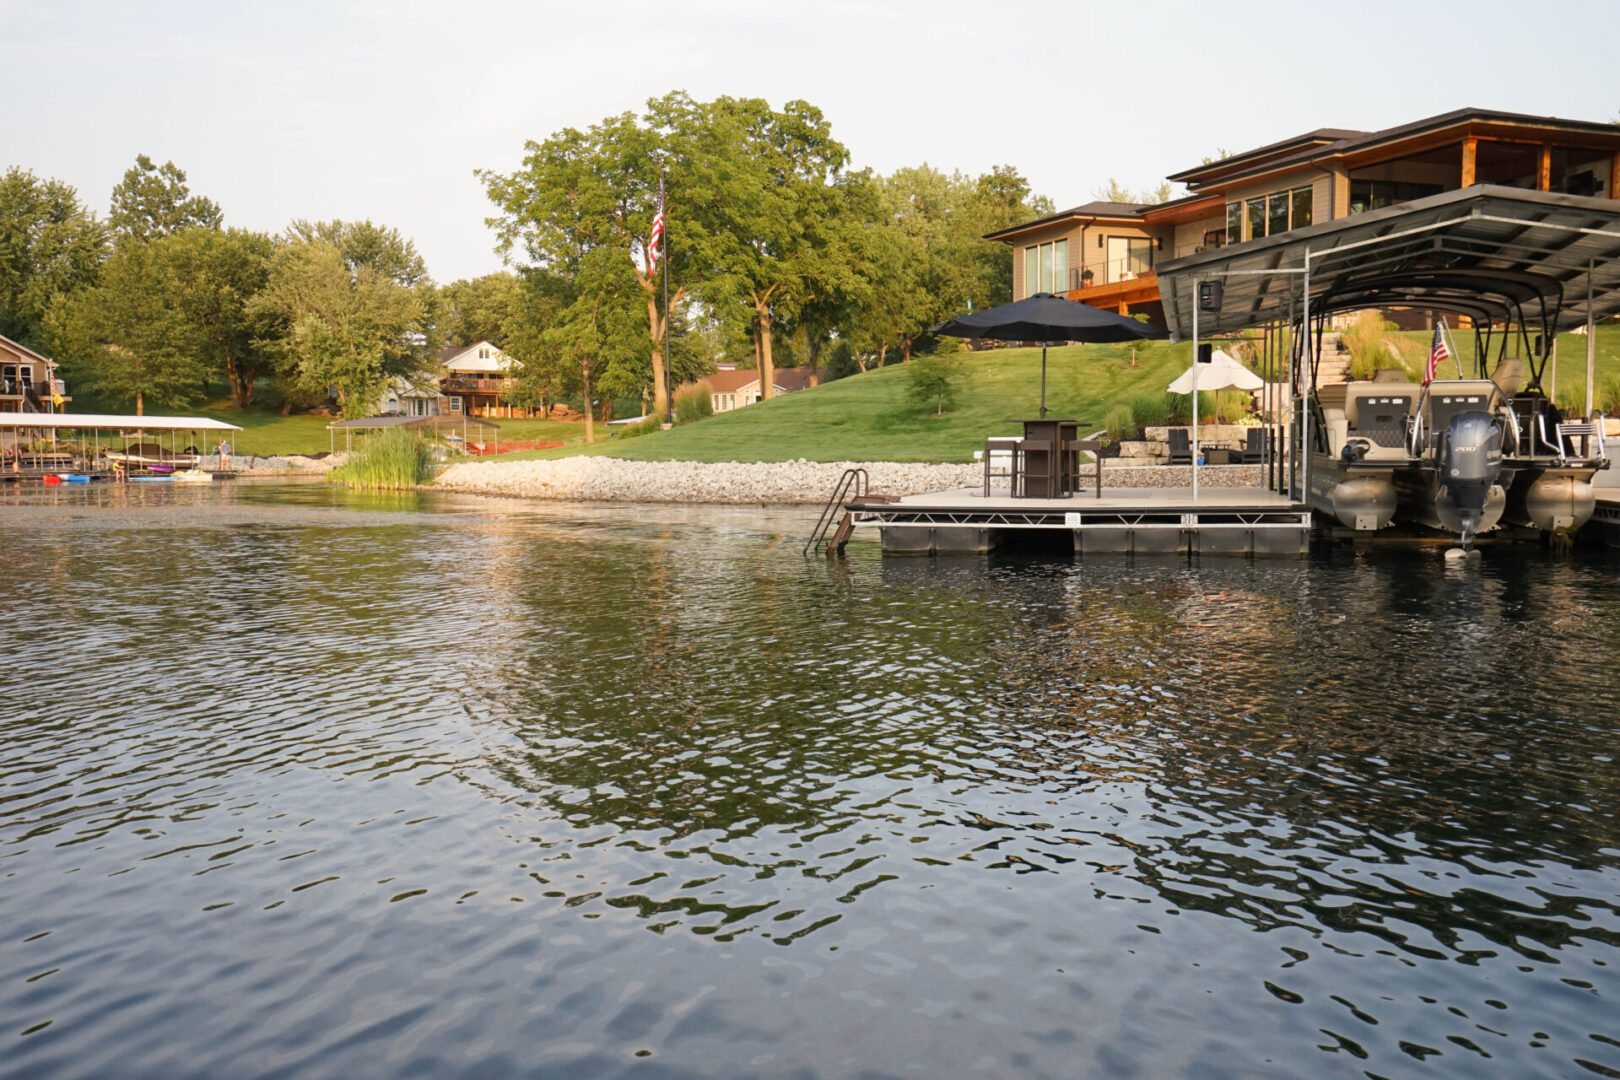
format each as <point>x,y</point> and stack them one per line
<point>153,200</point>
<point>931,381</point>
<point>346,307</point>
<point>49,244</point>
<point>782,237</point>
<point>216,274</point>
<point>477,309</point>
<point>127,336</point>
<point>582,191</point>
<point>1114,191</point>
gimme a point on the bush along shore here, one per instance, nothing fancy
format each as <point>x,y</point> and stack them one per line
<point>615,480</point>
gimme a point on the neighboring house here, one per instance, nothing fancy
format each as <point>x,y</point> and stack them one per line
<point>732,388</point>
<point>416,397</point>
<point>27,379</point>
<point>1104,253</point>
<point>478,379</point>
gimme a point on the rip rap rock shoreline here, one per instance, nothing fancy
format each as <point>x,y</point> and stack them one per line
<point>601,479</point>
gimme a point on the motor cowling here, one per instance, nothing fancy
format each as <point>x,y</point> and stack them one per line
<point>1470,463</point>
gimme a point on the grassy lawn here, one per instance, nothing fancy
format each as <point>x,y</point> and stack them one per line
<point>267,432</point>
<point>868,418</point>
<point>1571,369</point>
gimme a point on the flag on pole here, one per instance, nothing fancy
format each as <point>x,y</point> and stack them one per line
<point>655,241</point>
<point>1438,351</point>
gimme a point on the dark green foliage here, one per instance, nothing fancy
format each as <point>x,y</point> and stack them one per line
<point>694,401</point>
<point>394,459</point>
<point>931,380</point>
<point>1149,409</point>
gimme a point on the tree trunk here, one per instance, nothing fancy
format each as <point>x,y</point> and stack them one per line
<point>140,404</point>
<point>812,347</point>
<point>860,362</point>
<point>883,352</point>
<point>607,408</point>
<point>905,350</point>
<point>241,380</point>
<point>767,372</point>
<point>659,326</point>
<point>590,423</point>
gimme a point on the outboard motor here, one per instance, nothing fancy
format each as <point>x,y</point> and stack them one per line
<point>1470,461</point>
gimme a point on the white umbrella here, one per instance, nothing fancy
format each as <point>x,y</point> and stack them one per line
<point>1223,372</point>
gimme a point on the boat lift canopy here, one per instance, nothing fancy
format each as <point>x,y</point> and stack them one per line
<point>110,422</point>
<point>1496,254</point>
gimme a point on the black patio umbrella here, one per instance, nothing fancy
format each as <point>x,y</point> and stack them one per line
<point>1046,318</point>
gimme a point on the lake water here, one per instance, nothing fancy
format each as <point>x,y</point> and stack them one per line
<point>298,783</point>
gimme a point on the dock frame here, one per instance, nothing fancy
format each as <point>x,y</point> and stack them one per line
<point>1146,521</point>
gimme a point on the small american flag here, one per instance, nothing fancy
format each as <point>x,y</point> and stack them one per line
<point>655,240</point>
<point>1437,353</point>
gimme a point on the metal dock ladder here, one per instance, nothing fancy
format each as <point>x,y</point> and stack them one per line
<point>852,485</point>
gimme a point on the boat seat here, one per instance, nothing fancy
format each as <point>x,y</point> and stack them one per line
<point>1380,413</point>
<point>1445,400</point>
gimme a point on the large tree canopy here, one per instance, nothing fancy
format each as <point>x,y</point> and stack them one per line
<point>477,309</point>
<point>49,244</point>
<point>153,200</point>
<point>128,335</point>
<point>346,307</point>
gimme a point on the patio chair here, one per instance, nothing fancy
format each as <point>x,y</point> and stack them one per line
<point>1254,450</point>
<point>1180,447</point>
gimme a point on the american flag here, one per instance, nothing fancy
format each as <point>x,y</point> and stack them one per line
<point>1437,353</point>
<point>655,241</point>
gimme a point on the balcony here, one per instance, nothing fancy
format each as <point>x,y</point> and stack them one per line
<point>1119,295</point>
<point>477,386</point>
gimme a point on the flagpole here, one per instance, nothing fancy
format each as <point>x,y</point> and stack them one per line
<point>669,360</point>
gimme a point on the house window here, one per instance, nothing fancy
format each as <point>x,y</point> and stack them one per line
<point>1046,268</point>
<point>1234,222</point>
<point>1268,215</point>
<point>1254,223</point>
<point>454,402</point>
<point>1301,198</point>
<point>1375,194</point>
<point>1277,213</point>
<point>1129,257</point>
<point>483,354</point>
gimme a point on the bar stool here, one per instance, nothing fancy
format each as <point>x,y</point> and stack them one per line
<point>1001,451</point>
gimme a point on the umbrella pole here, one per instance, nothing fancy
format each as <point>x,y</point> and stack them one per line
<point>1195,395</point>
<point>1043,380</point>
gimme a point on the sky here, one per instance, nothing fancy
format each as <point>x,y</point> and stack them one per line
<point>384,109</point>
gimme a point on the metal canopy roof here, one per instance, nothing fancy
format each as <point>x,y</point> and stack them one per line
<point>105,422</point>
<point>1494,253</point>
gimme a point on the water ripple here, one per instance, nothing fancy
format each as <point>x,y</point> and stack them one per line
<point>304,784</point>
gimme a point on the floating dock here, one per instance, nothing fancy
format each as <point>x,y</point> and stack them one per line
<point>1140,521</point>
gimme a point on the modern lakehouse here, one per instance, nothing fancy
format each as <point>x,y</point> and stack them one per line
<point>1105,253</point>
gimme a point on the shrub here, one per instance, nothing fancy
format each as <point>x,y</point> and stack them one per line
<point>931,380</point>
<point>694,401</point>
<point>1181,407</point>
<point>1571,399</point>
<point>391,460</point>
<point>647,426</point>
<point>1150,410</point>
<point>1232,405</point>
<point>1610,396</point>
<point>1367,339</point>
<point>1120,422</point>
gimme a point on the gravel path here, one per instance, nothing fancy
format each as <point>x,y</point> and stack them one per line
<point>612,480</point>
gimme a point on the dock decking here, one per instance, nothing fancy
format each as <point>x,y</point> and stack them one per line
<point>1162,521</point>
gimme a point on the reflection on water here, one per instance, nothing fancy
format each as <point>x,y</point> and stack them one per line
<point>298,783</point>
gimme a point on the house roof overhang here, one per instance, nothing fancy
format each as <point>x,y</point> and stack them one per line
<point>1496,253</point>
<point>1357,148</point>
<point>1091,211</point>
